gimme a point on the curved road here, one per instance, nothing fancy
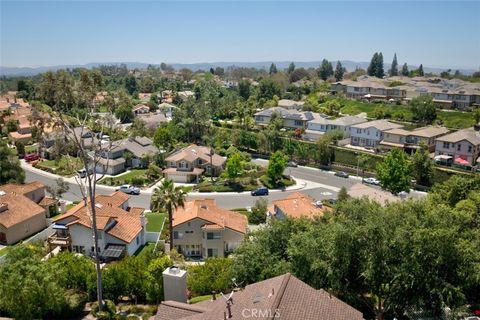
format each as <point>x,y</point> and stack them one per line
<point>321,185</point>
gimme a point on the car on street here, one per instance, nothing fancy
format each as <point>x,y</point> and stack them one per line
<point>292,164</point>
<point>31,157</point>
<point>372,181</point>
<point>129,189</point>
<point>260,192</point>
<point>332,201</point>
<point>341,174</point>
<point>82,173</point>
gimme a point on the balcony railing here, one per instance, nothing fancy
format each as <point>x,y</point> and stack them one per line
<point>60,240</point>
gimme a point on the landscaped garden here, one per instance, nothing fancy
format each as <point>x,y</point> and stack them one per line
<point>137,177</point>
<point>64,166</point>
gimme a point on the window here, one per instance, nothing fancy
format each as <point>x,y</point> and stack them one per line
<point>212,252</point>
<point>359,130</point>
<point>446,145</point>
<point>469,149</point>
<point>99,234</point>
<point>214,235</point>
<point>138,240</point>
<point>459,147</point>
<point>177,235</point>
<point>79,249</point>
<point>298,123</point>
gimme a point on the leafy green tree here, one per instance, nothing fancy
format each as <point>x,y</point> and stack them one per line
<point>276,166</point>
<point>298,74</point>
<point>10,169</point>
<point>234,166</point>
<point>394,68</point>
<point>244,89</point>
<point>291,67</point>
<point>60,188</point>
<point>11,125</point>
<point>423,109</point>
<point>214,275</point>
<point>454,190</point>
<point>420,71</point>
<point>169,197</point>
<point>154,278</point>
<point>325,70</point>
<point>131,84</point>
<point>273,68</point>
<point>422,166</point>
<point>476,115</point>
<point>339,71</point>
<point>372,67</point>
<point>163,138</point>
<point>259,211</point>
<point>343,194</point>
<point>268,88</point>
<point>405,72</point>
<point>124,113</point>
<point>394,171</point>
<point>324,152</point>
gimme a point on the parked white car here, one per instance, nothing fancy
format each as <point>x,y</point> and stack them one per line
<point>372,181</point>
<point>128,189</point>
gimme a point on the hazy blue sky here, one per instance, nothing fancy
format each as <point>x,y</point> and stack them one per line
<point>435,33</point>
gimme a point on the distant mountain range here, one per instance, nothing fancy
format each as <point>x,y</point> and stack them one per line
<point>349,65</point>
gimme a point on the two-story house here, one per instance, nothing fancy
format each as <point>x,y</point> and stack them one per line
<point>369,134</point>
<point>140,109</point>
<point>23,211</point>
<point>291,118</point>
<point>121,229</point>
<point>320,125</point>
<point>202,229</point>
<point>411,140</point>
<point>188,164</point>
<point>463,146</point>
<point>130,152</point>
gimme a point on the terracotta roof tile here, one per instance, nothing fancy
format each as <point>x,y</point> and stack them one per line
<point>15,206</point>
<point>194,152</point>
<point>207,210</point>
<point>297,205</point>
<point>108,207</point>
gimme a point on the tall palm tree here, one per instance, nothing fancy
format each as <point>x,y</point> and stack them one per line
<point>169,197</point>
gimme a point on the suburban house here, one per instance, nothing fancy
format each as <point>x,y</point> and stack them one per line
<point>295,206</point>
<point>166,96</point>
<point>290,104</point>
<point>292,118</point>
<point>369,134</point>
<point>23,211</point>
<point>367,88</point>
<point>461,147</point>
<point>184,95</point>
<point>411,140</point>
<point>188,164</point>
<point>21,116</point>
<point>130,152</point>
<point>140,109</point>
<point>321,125</point>
<point>283,297</point>
<point>202,229</point>
<point>121,229</point>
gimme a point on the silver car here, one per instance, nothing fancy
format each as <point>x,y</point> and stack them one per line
<point>128,189</point>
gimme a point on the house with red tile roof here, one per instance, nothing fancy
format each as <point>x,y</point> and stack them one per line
<point>202,229</point>
<point>23,211</point>
<point>121,229</point>
<point>283,297</point>
<point>295,206</point>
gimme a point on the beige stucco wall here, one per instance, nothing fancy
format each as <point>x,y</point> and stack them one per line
<point>25,229</point>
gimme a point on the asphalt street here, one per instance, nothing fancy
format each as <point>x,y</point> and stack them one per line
<point>325,186</point>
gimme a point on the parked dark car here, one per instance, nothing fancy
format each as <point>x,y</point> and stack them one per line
<point>341,174</point>
<point>332,201</point>
<point>260,192</point>
<point>292,164</point>
<point>31,157</point>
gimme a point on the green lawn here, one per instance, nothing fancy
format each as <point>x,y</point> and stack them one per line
<point>155,221</point>
<point>145,249</point>
<point>66,166</point>
<point>31,149</point>
<point>4,251</point>
<point>284,182</point>
<point>126,178</point>
<point>456,119</point>
<point>200,299</point>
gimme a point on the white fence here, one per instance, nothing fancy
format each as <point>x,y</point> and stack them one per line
<point>151,236</point>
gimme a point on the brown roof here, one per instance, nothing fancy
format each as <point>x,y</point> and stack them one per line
<point>15,206</point>
<point>468,134</point>
<point>289,296</point>
<point>194,152</point>
<point>207,210</point>
<point>378,124</point>
<point>108,208</point>
<point>195,171</point>
<point>22,188</point>
<point>426,132</point>
<point>297,205</point>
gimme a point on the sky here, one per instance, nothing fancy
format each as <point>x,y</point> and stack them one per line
<point>45,33</point>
